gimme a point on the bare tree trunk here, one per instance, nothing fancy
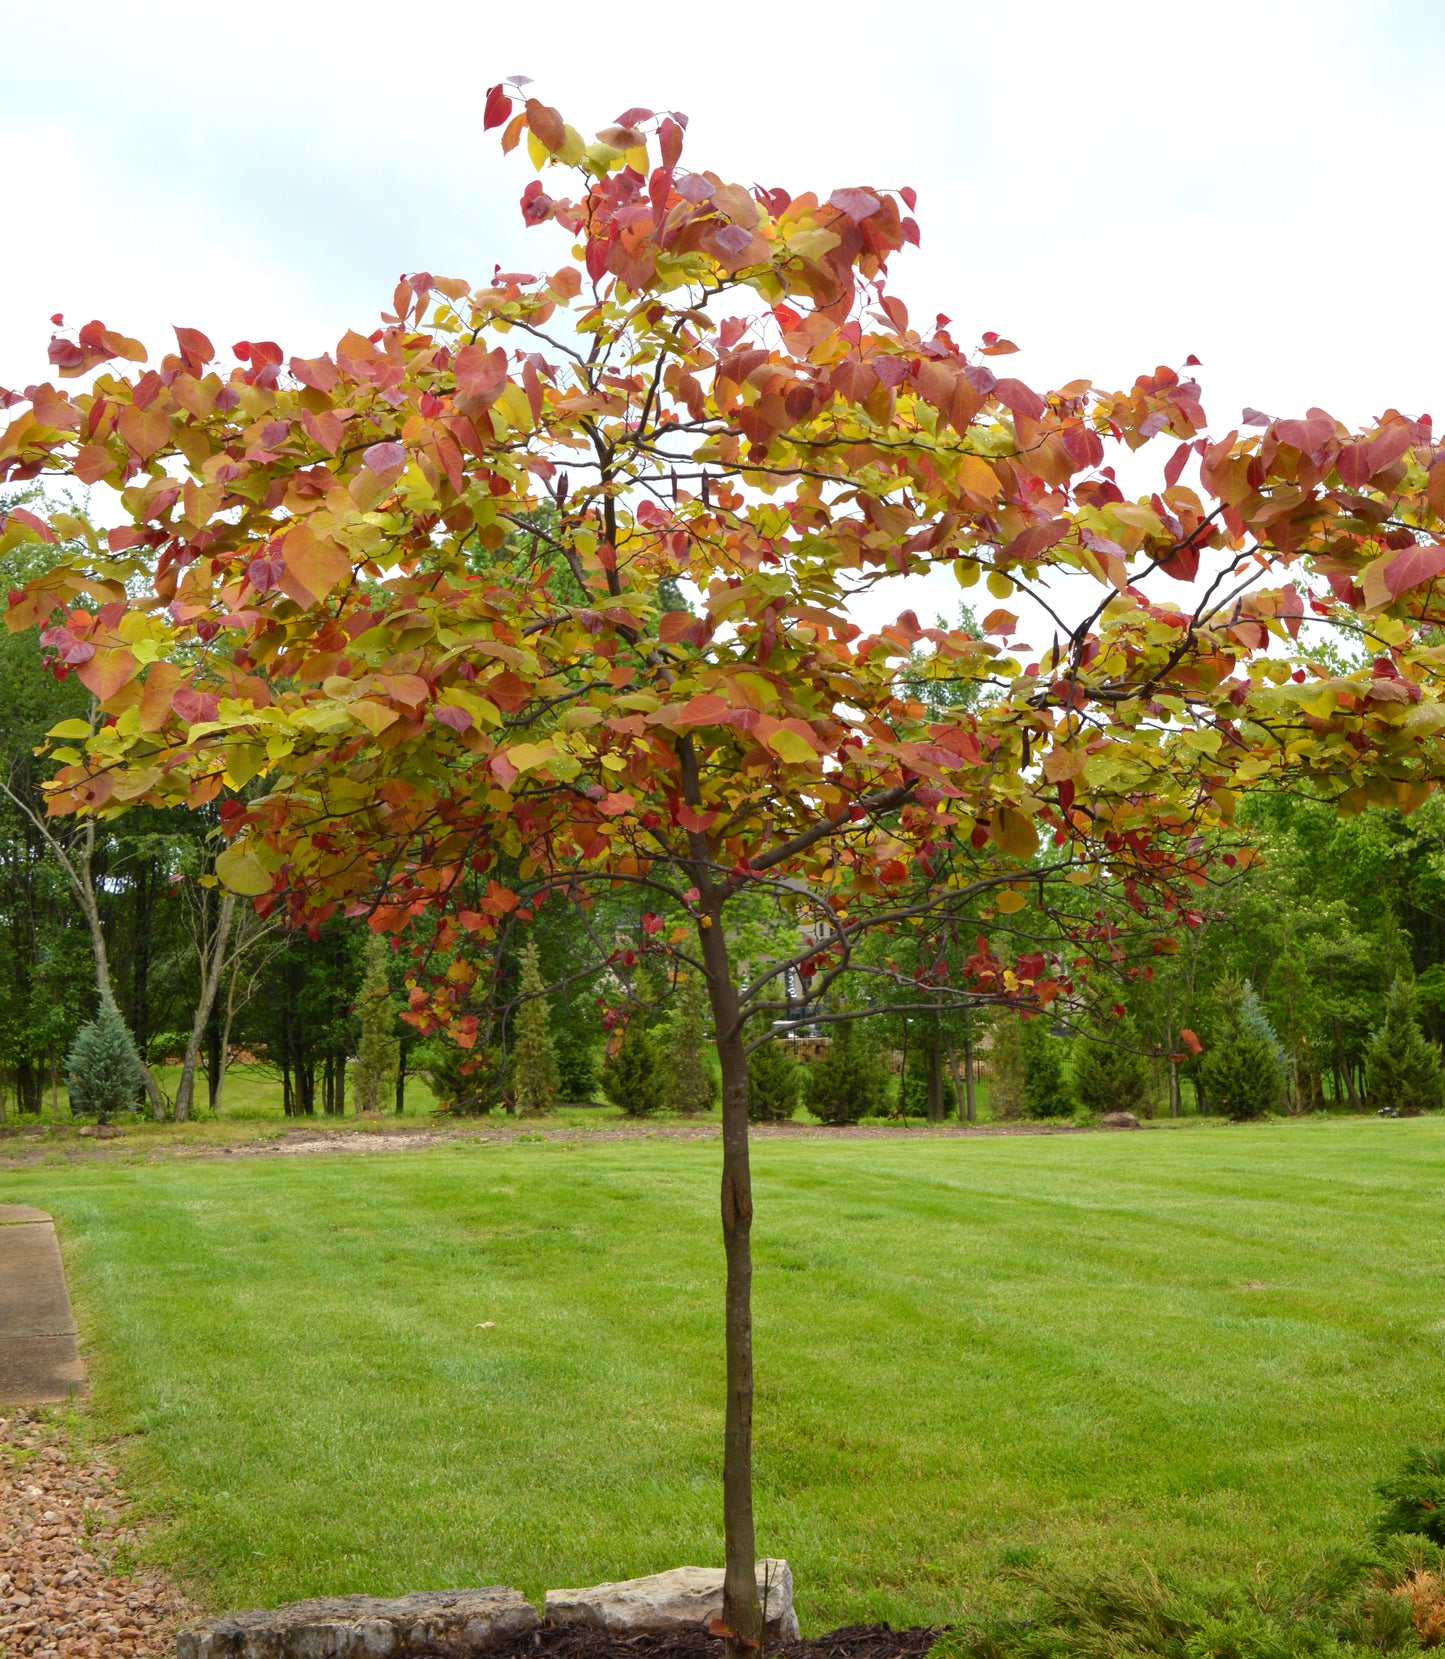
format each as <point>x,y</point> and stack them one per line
<point>213,960</point>
<point>935,1072</point>
<point>740,1590</point>
<point>1173,1089</point>
<point>959,1104</point>
<point>968,1076</point>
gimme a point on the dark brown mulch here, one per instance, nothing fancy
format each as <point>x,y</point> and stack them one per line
<point>853,1641</point>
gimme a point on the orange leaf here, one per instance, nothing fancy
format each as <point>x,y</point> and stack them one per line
<point>313,567</point>
<point>162,679</point>
<point>145,430</point>
<point>107,672</point>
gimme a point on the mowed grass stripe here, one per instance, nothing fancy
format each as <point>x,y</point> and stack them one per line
<point>1197,1348</point>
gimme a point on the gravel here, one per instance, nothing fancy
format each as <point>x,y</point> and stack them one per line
<point>64,1537</point>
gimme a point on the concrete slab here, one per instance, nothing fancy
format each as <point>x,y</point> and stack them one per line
<point>39,1361</point>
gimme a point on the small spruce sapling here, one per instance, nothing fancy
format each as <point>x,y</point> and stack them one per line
<point>378,1053</point>
<point>1045,1085</point>
<point>1110,1074</point>
<point>1402,1068</point>
<point>772,1084</point>
<point>1243,1076</point>
<point>534,1058</point>
<point>103,1069</point>
<point>633,1076</point>
<point>688,1081</point>
<point>849,1081</point>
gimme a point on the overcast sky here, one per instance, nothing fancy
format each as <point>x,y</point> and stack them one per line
<point>1110,184</point>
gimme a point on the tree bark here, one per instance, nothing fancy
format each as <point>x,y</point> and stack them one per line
<point>968,1076</point>
<point>740,1590</point>
<point>1173,1089</point>
<point>213,959</point>
<point>935,1073</point>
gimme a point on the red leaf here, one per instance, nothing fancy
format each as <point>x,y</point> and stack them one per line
<point>383,458</point>
<point>857,204</point>
<point>1415,565</point>
<point>547,124</point>
<point>1190,1041</point>
<point>1013,394</point>
<point>1175,465</point>
<point>498,107</point>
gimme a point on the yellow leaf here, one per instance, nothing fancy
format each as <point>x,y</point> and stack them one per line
<point>70,728</point>
<point>1009,901</point>
<point>1013,833</point>
<point>526,756</point>
<point>792,747</point>
<point>376,717</point>
<point>244,873</point>
<point>1080,878</point>
<point>999,585</point>
<point>966,570</point>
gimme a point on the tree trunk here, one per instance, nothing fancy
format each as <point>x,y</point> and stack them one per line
<point>402,1048</point>
<point>903,1075</point>
<point>1343,1067</point>
<point>740,1590</point>
<point>935,1074</point>
<point>212,962</point>
<point>1173,1089</point>
<point>968,1077</point>
<point>959,1102</point>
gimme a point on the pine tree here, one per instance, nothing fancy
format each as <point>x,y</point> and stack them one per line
<point>534,1059</point>
<point>1402,1069</point>
<point>849,1081</point>
<point>103,1068</point>
<point>1243,1076</point>
<point>378,1054</point>
<point>772,1084</point>
<point>688,1081</point>
<point>633,1076</point>
<point>1110,1075</point>
<point>1045,1085</point>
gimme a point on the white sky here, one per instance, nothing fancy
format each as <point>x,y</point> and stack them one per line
<point>1110,184</point>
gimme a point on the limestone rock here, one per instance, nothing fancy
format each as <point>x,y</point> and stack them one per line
<point>1119,1120</point>
<point>683,1599</point>
<point>442,1624</point>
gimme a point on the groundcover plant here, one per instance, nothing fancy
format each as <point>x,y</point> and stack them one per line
<point>409,615</point>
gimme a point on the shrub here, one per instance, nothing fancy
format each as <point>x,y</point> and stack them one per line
<point>1243,1077</point>
<point>463,1080</point>
<point>1415,1496</point>
<point>1110,1075</point>
<point>849,1081</point>
<point>772,1085</point>
<point>1005,1058</point>
<point>378,1053</point>
<point>534,1059</point>
<point>688,1079</point>
<point>1402,1069</point>
<point>633,1076</point>
<point>103,1068</point>
<point>1045,1086</point>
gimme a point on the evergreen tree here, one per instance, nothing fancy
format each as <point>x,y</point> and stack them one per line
<point>633,1076</point>
<point>1110,1075</point>
<point>849,1081</point>
<point>689,1082</point>
<point>534,1059</point>
<point>378,1053</point>
<point>1243,1077</point>
<point>1402,1069</point>
<point>103,1068</point>
<point>1045,1084</point>
<point>772,1084</point>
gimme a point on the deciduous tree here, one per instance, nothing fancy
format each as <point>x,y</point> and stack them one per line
<point>721,391</point>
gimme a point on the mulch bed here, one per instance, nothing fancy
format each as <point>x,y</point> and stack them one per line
<point>853,1641</point>
<point>62,1525</point>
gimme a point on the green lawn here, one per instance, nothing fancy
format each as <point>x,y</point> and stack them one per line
<point>1194,1347</point>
